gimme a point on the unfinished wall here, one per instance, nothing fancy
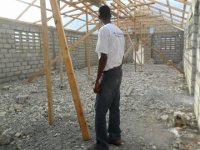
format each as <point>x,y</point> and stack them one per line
<point>21,51</point>
<point>192,55</point>
<point>170,44</point>
<point>190,47</point>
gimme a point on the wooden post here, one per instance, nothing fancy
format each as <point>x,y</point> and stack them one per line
<point>87,45</point>
<point>135,46</point>
<point>131,48</point>
<point>118,15</point>
<point>69,69</point>
<point>60,63</point>
<point>61,69</point>
<point>46,61</point>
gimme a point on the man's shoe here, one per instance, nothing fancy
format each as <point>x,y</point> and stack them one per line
<point>115,142</point>
<point>93,147</point>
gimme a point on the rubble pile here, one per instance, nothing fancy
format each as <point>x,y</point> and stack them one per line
<point>156,112</point>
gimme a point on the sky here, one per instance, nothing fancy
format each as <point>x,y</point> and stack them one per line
<point>13,8</point>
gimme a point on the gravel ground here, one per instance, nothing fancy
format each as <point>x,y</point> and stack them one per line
<point>149,102</point>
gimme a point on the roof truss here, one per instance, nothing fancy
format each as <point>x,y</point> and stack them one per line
<point>174,12</point>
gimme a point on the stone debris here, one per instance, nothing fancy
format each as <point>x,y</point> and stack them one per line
<point>6,87</point>
<point>5,139</point>
<point>128,91</point>
<point>179,119</point>
<point>22,99</point>
<point>2,114</point>
<point>18,107</point>
<point>18,134</point>
<point>145,97</point>
<point>165,117</point>
<point>175,132</point>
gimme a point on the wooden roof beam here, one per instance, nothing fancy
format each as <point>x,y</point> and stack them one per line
<point>139,5</point>
<point>183,15</point>
<point>73,4</point>
<point>124,7</point>
<point>170,12</point>
<point>171,7</point>
<point>71,21</point>
<point>32,4</point>
<point>90,9</point>
<point>184,1</point>
<point>25,10</point>
<point>115,7</point>
<point>166,19</point>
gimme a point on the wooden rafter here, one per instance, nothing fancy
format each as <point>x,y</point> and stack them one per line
<point>184,1</point>
<point>120,10</point>
<point>165,5</point>
<point>184,7</point>
<point>22,13</point>
<point>170,12</point>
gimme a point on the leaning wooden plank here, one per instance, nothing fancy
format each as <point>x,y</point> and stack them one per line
<point>69,69</point>
<point>25,10</point>
<point>46,61</point>
<point>87,45</point>
<point>74,45</point>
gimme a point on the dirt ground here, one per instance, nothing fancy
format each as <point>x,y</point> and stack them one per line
<point>150,100</point>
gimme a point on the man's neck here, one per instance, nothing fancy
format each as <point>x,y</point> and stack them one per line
<point>106,22</point>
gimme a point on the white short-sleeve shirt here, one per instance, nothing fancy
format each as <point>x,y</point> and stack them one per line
<point>111,42</point>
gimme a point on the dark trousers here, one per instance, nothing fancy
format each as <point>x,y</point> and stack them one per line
<point>108,98</point>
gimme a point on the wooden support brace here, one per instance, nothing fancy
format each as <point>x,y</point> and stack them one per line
<point>46,61</point>
<point>69,69</point>
<point>75,44</point>
<point>87,45</point>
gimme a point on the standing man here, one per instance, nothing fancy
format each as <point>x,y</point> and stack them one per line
<point>110,49</point>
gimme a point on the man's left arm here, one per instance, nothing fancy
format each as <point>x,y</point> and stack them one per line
<point>101,66</point>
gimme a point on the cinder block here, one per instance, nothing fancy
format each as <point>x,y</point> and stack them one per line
<point>9,74</point>
<point>5,70</point>
<point>12,50</point>
<point>3,41</point>
<point>10,41</point>
<point>7,55</point>
<point>17,64</point>
<point>4,60</point>
<point>2,65</point>
<point>2,31</point>
<point>7,46</point>
<point>13,69</point>
<point>17,73</point>
<point>9,65</point>
<point>24,63</point>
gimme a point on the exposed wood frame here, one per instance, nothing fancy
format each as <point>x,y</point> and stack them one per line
<point>26,9</point>
<point>69,69</point>
<point>170,13</point>
<point>46,62</point>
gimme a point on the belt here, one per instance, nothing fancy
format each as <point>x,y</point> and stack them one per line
<point>114,68</point>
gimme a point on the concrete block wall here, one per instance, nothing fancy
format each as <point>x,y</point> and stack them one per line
<point>192,55</point>
<point>21,52</point>
<point>190,47</point>
<point>147,50</point>
<point>170,44</point>
<point>197,81</point>
<point>127,45</point>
